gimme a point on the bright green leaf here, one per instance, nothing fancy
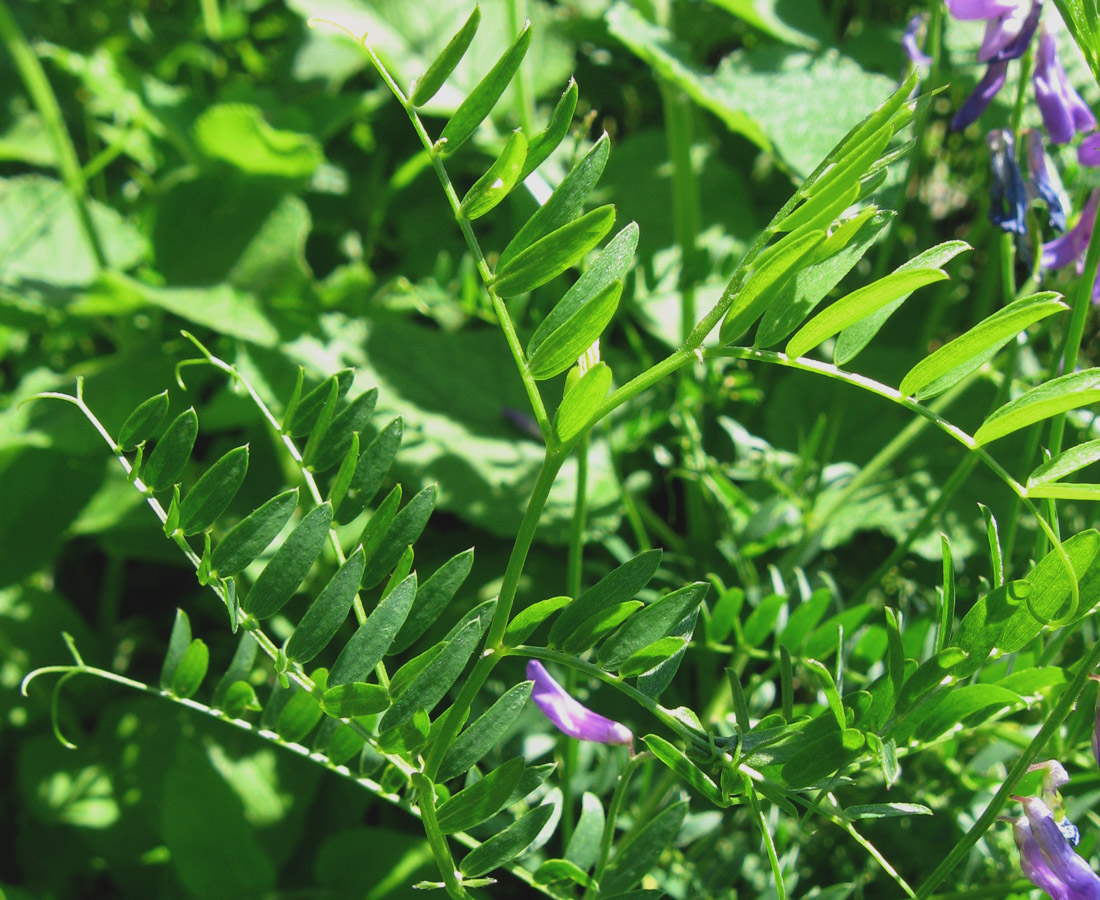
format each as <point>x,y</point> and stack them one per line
<point>428,84</point>
<point>143,421</point>
<point>498,180</point>
<point>561,349</point>
<point>581,403</point>
<point>1060,395</point>
<point>169,457</point>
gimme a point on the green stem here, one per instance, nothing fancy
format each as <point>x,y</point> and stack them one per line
<point>985,821</point>
<point>525,92</point>
<point>608,837</point>
<point>45,101</point>
<point>425,792</point>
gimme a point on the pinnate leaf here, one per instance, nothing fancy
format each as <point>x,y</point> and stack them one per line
<point>373,638</point>
<point>349,421</point>
<point>371,468</point>
<point>498,181</point>
<point>289,566</point>
<point>651,624</point>
<point>545,142</point>
<point>485,733</point>
<point>403,531</point>
<point>527,620</point>
<point>252,535</point>
<point>213,492</point>
<point>617,586</point>
<point>507,844</point>
<point>1060,395</point>
<point>562,348</point>
<point>432,598</point>
<point>328,612</point>
<point>481,800</point>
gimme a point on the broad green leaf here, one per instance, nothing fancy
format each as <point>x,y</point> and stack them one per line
<point>551,255</point>
<point>822,757</point>
<point>598,626</point>
<point>981,627</point>
<point>833,259</point>
<point>351,420</point>
<point>310,406</point>
<point>651,624</point>
<point>527,620</point>
<point>618,585</point>
<point>584,845</point>
<point>644,846</point>
<point>373,464</point>
<point>886,810</point>
<point>432,598</point>
<point>1050,591</point>
<point>498,181</point>
<point>954,707</point>
<point>857,305</point>
<point>239,698</point>
<point>373,638</point>
<point>428,84</point>
<point>653,681</point>
<point>484,97</point>
<point>770,278</point>
<point>1065,463</point>
<point>564,205</point>
<point>507,844</point>
<point>673,757</point>
<point>651,656</point>
<point>328,612</point>
<point>142,422</point>
<point>546,142</point>
<point>237,134</point>
<point>355,698</point>
<point>191,669</point>
<point>485,733</point>
<point>562,348</point>
<point>1060,395</point>
<point>298,717</point>
<point>403,531</point>
<point>178,643</point>
<point>481,800</point>
<point>252,535</point>
<point>169,457</point>
<point>958,358</point>
<point>289,566</point>
<point>429,686</point>
<point>610,266</point>
<point>855,337</point>
<point>213,492</point>
<point>581,403</point>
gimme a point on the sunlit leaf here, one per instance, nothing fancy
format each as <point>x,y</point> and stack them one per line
<point>428,84</point>
<point>169,457</point>
<point>280,579</point>
<point>498,180</point>
<point>1059,395</point>
<point>252,535</point>
<point>213,492</point>
<point>143,421</point>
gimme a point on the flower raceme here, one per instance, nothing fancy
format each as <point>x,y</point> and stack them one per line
<point>1064,112</point>
<point>570,715</point>
<point>1071,246</point>
<point>1056,868</point>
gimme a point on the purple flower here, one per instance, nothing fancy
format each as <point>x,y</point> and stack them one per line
<point>1041,185</point>
<point>974,105</point>
<point>1008,35</point>
<point>1096,726</point>
<point>917,26</point>
<point>1064,112</point>
<point>570,715</point>
<point>1088,153</point>
<point>1035,868</point>
<point>1071,246</point>
<point>968,10</point>
<point>1007,191</point>
<point>1066,867</point>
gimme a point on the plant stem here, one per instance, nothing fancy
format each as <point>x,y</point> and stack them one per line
<point>45,101</point>
<point>425,792</point>
<point>608,837</point>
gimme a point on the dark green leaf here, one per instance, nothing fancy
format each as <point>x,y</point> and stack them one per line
<point>240,667</point>
<point>1060,395</point>
<point>403,531</point>
<point>320,427</point>
<point>619,585</point>
<point>610,266</point>
<point>822,757</point>
<point>213,492</point>
<point>481,800</point>
<point>651,624</point>
<point>486,732</point>
<point>143,421</point>
<point>498,181</point>
<point>373,638</point>
<point>507,844</point>
<point>281,577</point>
<point>310,406</point>
<point>956,359</point>
<point>642,848</point>
<point>373,464</point>
<point>546,142</point>
<point>405,676</point>
<point>484,97</point>
<point>581,402</point>
<point>351,420</point>
<point>356,698</point>
<point>564,205</point>
<point>598,626</point>
<point>652,682</point>
<point>560,350</point>
<point>952,707</point>
<point>252,535</point>
<point>651,656</point>
<point>929,674</point>
<point>328,612</point>
<point>299,716</point>
<point>526,621</point>
<point>551,255</point>
<point>191,669</point>
<point>432,598</point>
<point>561,870</point>
<point>428,84</point>
<point>378,526</point>
<point>170,455</point>
<point>240,697</point>
<point>178,643</point>
<point>427,688</point>
<point>684,768</point>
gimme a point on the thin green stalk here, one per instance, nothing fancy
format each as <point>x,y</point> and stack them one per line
<point>45,101</point>
<point>425,792</point>
<point>984,822</point>
<point>574,561</point>
<point>525,91</point>
<point>608,837</point>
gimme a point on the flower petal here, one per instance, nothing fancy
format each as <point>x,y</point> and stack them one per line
<point>569,714</point>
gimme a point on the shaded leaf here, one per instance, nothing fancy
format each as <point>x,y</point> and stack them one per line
<point>684,768</point>
<point>355,698</point>
<point>618,585</point>
<point>403,531</point>
<point>373,464</point>
<point>337,439</point>
<point>252,535</point>
<point>169,457</point>
<point>328,612</point>
<point>309,407</point>
<point>485,733</point>
<point>178,643</point>
<point>191,669</point>
<point>289,566</point>
<point>142,422</point>
<point>432,598</point>
<point>373,638</point>
<point>598,626</point>
<point>642,848</point>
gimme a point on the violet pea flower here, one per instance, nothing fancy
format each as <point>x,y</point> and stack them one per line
<point>1062,861</point>
<point>1040,183</point>
<point>1009,34</point>
<point>1007,191</point>
<point>1034,867</point>
<point>974,105</point>
<point>909,40</point>
<point>1064,112</point>
<point>968,10</point>
<point>570,715</point>
<point>1071,246</point>
<point>1088,152</point>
